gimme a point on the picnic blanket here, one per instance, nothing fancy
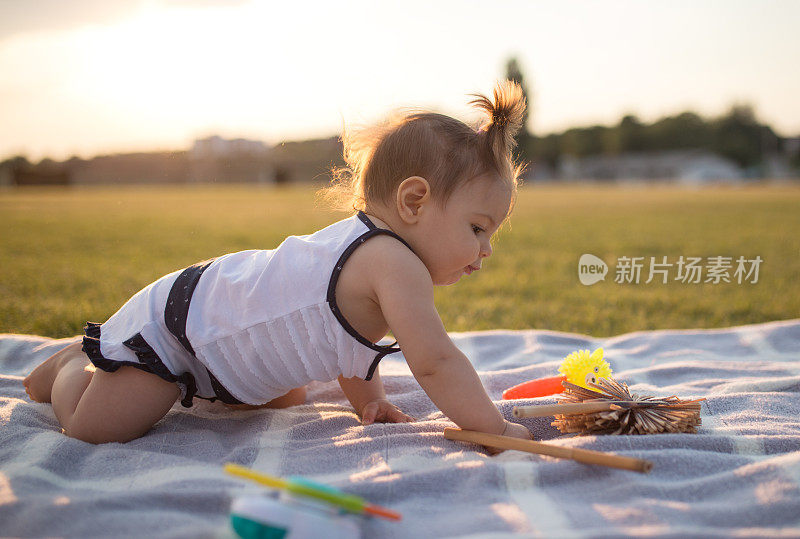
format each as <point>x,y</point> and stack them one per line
<point>738,475</point>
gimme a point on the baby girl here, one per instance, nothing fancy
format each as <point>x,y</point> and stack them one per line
<point>252,328</point>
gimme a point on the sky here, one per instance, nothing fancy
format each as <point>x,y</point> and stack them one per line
<point>89,77</point>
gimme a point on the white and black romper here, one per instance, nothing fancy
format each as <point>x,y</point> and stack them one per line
<point>246,327</point>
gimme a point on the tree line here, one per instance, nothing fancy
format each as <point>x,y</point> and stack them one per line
<point>736,135</point>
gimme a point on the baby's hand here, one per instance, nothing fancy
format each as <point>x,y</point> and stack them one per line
<point>383,411</point>
<point>514,430</point>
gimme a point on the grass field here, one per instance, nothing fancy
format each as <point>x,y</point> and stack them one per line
<point>68,255</point>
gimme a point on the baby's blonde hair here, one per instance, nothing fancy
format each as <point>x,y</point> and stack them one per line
<point>446,152</point>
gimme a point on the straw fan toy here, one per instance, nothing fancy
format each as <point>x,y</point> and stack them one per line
<point>610,408</point>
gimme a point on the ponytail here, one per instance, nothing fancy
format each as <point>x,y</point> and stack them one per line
<point>506,115</point>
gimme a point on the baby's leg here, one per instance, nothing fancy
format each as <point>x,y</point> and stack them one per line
<point>115,406</point>
<point>294,397</point>
<point>39,383</point>
<point>97,406</point>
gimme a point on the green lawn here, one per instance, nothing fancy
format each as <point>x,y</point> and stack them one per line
<point>68,255</point>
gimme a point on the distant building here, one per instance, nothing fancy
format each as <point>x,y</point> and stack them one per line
<point>218,160</point>
<point>685,166</point>
<point>35,177</point>
<point>777,166</point>
<point>215,147</point>
<point>539,171</point>
<point>7,176</point>
<point>130,168</point>
<point>307,161</point>
<point>792,146</point>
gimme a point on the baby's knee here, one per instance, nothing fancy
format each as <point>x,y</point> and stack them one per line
<point>93,433</point>
<point>93,436</point>
<point>120,406</point>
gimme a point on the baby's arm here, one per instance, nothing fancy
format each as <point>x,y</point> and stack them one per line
<point>404,290</point>
<point>369,400</point>
<point>359,391</point>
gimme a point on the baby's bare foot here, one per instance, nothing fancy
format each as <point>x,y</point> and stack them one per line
<point>39,383</point>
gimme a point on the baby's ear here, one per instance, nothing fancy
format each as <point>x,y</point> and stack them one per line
<point>412,194</point>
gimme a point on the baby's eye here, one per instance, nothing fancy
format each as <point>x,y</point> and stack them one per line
<point>476,229</point>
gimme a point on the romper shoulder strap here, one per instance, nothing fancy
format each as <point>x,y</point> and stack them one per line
<point>372,230</point>
<point>371,226</point>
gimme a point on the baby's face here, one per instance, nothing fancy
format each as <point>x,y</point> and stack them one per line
<point>457,237</point>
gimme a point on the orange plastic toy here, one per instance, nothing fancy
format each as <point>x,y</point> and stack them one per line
<point>540,387</point>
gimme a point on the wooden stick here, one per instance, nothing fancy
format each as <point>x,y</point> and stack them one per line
<point>545,410</point>
<point>581,455</point>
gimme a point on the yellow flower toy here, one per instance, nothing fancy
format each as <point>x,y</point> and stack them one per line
<point>578,368</point>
